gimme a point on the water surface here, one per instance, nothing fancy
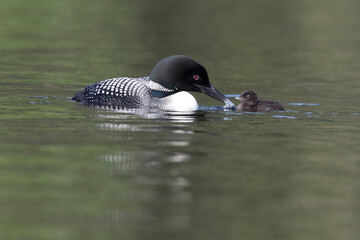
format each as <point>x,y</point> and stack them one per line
<point>74,172</point>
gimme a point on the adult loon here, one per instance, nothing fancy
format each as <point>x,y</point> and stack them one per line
<point>164,88</point>
<point>251,103</point>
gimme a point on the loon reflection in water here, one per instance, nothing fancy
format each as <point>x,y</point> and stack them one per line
<point>164,88</point>
<point>185,116</point>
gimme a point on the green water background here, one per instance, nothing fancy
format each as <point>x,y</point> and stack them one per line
<point>74,172</point>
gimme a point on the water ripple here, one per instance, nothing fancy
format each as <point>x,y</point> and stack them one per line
<point>283,116</point>
<point>303,104</point>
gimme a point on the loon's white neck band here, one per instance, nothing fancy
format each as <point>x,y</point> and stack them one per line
<point>158,87</point>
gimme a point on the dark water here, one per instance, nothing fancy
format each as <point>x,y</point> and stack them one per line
<point>73,172</point>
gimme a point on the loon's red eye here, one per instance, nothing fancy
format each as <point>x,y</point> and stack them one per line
<point>196,77</point>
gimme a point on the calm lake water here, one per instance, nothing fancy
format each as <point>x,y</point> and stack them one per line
<point>72,172</point>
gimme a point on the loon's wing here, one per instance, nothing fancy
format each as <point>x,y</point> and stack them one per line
<point>120,92</point>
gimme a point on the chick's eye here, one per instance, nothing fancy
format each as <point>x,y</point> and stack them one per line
<point>196,77</point>
<point>247,96</point>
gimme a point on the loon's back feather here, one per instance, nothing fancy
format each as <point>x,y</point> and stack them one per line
<point>122,92</point>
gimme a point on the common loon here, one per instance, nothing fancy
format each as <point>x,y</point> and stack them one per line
<point>251,103</point>
<point>164,88</point>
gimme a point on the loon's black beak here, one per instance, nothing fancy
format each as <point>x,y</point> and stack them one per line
<point>212,92</point>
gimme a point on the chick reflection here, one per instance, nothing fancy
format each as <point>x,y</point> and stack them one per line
<point>156,181</point>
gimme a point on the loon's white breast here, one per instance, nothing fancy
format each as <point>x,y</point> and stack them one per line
<point>181,101</point>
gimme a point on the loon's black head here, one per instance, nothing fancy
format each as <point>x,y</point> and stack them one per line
<point>181,73</point>
<point>248,96</point>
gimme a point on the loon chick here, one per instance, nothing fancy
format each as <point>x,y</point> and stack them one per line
<point>163,88</point>
<point>251,103</point>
